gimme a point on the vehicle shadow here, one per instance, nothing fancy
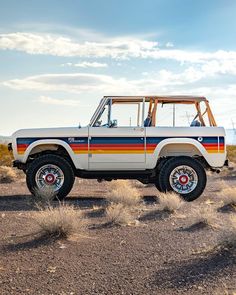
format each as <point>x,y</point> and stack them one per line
<point>187,273</point>
<point>24,202</point>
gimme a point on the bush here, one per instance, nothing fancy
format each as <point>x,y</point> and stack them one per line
<point>227,239</point>
<point>204,217</point>
<point>118,214</point>
<point>43,197</point>
<point>123,193</point>
<point>6,157</point>
<point>228,195</point>
<point>59,222</point>
<point>170,202</point>
<point>7,174</point>
<point>231,153</point>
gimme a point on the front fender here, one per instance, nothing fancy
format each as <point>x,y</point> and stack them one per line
<point>46,142</point>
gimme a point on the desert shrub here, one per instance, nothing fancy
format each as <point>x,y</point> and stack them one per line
<point>123,193</point>
<point>231,153</point>
<point>60,222</point>
<point>170,202</point>
<point>118,214</point>
<point>43,197</point>
<point>227,238</point>
<point>228,195</point>
<point>7,174</point>
<point>204,216</point>
<point>6,157</point>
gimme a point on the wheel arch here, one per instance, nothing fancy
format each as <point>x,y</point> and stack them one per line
<point>181,147</point>
<point>41,147</point>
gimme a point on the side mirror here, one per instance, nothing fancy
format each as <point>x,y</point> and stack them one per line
<point>113,123</point>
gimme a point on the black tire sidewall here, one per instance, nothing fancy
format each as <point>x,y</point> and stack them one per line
<point>188,161</point>
<point>63,164</point>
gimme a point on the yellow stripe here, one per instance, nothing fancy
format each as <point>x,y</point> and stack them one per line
<point>214,151</point>
<point>113,152</point>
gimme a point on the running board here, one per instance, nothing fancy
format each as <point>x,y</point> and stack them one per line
<point>134,174</point>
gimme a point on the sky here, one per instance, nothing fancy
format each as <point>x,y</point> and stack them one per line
<point>58,58</point>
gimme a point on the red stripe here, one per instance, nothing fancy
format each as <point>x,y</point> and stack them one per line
<point>22,146</point>
<point>75,145</point>
<point>117,148</point>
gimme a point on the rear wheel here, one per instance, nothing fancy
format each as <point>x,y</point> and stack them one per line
<point>50,171</point>
<point>183,175</point>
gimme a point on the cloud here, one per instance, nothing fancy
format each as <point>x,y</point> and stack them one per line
<point>54,101</point>
<point>123,47</point>
<point>73,83</point>
<point>162,81</point>
<point>86,64</point>
<point>169,44</point>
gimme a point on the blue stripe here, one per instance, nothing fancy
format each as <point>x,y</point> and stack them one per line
<point>116,140</point>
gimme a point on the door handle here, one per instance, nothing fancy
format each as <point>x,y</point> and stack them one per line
<point>138,129</point>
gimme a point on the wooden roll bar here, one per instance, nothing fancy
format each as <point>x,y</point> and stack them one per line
<point>181,99</point>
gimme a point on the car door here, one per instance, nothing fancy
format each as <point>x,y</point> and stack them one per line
<point>118,147</point>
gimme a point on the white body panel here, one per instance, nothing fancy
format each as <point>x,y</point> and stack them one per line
<point>51,136</point>
<point>184,135</point>
<point>136,154</point>
<point>105,157</point>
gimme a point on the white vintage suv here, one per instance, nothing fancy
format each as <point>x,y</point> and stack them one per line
<point>124,141</point>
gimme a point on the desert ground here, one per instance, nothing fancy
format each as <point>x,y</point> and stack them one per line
<point>159,252</point>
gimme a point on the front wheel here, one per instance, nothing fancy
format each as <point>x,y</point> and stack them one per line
<point>50,171</point>
<point>183,175</point>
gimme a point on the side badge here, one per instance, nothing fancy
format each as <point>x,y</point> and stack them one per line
<point>200,139</point>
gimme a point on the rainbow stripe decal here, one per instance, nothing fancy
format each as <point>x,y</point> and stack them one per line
<point>213,145</point>
<point>78,145</point>
<point>121,145</point>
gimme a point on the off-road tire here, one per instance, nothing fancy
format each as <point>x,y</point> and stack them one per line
<point>157,179</point>
<point>174,162</point>
<point>63,164</point>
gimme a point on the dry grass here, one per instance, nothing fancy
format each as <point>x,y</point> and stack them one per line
<point>7,174</point>
<point>59,222</point>
<point>43,197</point>
<point>118,214</point>
<point>123,193</point>
<point>5,156</point>
<point>204,217</point>
<point>231,153</point>
<point>228,195</point>
<point>227,239</point>
<point>170,202</point>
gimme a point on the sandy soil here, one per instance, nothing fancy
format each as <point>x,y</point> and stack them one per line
<point>161,255</point>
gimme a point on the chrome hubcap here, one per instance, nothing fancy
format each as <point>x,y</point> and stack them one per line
<point>50,176</point>
<point>183,179</point>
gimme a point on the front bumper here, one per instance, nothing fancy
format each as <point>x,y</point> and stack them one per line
<point>9,146</point>
<point>18,164</point>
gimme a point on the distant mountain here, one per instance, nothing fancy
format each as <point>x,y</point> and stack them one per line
<point>5,139</point>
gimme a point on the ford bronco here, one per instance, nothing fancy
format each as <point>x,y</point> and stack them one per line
<point>124,141</point>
